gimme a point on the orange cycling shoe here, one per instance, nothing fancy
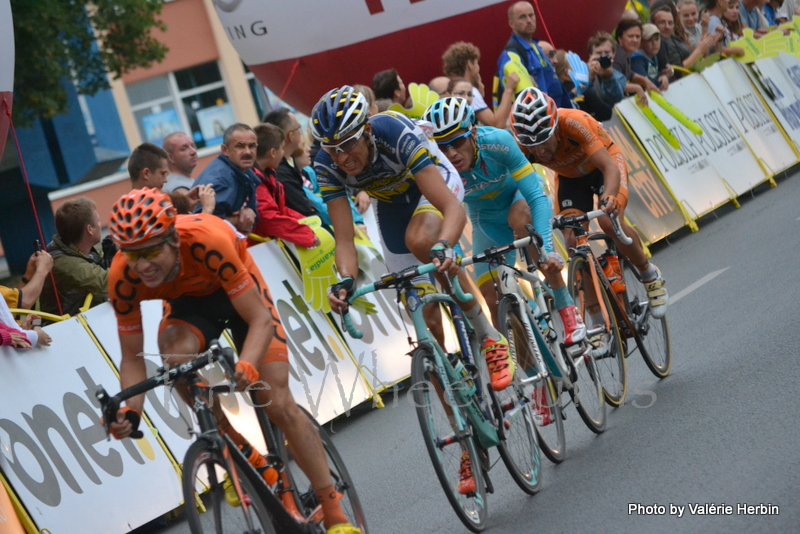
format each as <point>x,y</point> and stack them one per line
<point>467,483</point>
<point>501,366</point>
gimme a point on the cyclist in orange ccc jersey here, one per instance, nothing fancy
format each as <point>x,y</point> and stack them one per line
<point>587,163</point>
<point>200,267</point>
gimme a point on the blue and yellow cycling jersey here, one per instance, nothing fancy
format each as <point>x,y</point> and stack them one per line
<point>401,151</point>
<point>500,174</point>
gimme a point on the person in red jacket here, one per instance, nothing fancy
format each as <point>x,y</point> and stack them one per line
<point>275,218</point>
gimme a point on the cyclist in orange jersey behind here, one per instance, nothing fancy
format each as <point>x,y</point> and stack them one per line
<point>587,163</point>
<point>199,265</point>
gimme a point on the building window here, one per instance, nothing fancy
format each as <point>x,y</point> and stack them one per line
<point>191,100</point>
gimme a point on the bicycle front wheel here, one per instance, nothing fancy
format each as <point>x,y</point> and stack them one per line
<point>541,395</point>
<point>209,478</point>
<point>610,363</point>
<point>652,335</point>
<point>445,444</point>
<point>305,496</point>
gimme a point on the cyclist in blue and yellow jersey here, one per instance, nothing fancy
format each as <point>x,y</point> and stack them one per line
<point>416,194</point>
<point>503,194</point>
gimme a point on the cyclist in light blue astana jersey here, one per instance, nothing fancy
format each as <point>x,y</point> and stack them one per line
<point>503,194</point>
<point>416,194</point>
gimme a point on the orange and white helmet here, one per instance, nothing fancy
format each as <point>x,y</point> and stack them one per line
<point>534,117</point>
<point>141,215</point>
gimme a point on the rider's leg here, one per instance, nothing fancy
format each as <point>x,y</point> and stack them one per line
<point>302,438</point>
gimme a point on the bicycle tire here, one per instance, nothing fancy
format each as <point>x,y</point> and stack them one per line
<point>651,334</point>
<point>611,366</point>
<point>305,496</point>
<point>544,402</point>
<point>204,465</point>
<point>445,452</point>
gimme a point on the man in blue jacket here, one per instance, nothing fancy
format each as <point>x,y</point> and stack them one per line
<point>522,20</point>
<point>233,179</point>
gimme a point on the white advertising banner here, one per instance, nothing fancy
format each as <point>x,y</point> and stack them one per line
<point>323,377</point>
<point>729,81</point>
<point>778,81</point>
<point>54,452</point>
<point>688,171</point>
<point>262,32</point>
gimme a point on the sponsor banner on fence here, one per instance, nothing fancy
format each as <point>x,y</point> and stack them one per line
<point>323,377</point>
<point>54,453</point>
<point>698,171</point>
<point>778,81</point>
<point>729,81</point>
<point>651,207</point>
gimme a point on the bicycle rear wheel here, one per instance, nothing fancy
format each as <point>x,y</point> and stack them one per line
<point>306,499</point>
<point>204,468</point>
<point>611,365</point>
<point>652,335</point>
<point>446,445</point>
<point>542,396</point>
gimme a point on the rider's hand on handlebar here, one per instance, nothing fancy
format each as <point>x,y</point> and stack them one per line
<point>553,266</point>
<point>609,204</point>
<point>244,374</point>
<point>444,258</point>
<point>339,293</point>
<point>126,425</point>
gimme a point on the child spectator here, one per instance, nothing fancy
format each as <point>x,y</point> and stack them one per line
<point>689,16</point>
<point>275,218</point>
<point>645,61</point>
<point>716,26</point>
<point>733,21</point>
<point>23,337</point>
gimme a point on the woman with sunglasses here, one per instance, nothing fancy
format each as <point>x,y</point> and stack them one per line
<point>416,194</point>
<point>503,194</point>
<point>587,163</point>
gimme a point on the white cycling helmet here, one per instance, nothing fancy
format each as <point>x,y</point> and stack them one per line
<point>534,117</point>
<point>448,115</point>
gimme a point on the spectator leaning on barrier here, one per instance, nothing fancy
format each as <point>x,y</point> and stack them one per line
<point>22,337</point>
<point>275,218</point>
<point>182,161</point>
<point>148,166</point>
<point>645,61</point>
<point>716,10</point>
<point>629,38</point>
<point>606,84</point>
<point>231,175</point>
<point>287,174</point>
<point>77,259</point>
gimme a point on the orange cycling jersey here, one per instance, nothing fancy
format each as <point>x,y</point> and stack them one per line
<point>579,136</point>
<point>212,256</point>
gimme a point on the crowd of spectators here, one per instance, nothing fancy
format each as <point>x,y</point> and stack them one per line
<point>263,181</point>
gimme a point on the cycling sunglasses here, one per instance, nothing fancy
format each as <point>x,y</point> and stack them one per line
<point>347,145</point>
<point>148,253</point>
<point>530,140</point>
<point>454,143</point>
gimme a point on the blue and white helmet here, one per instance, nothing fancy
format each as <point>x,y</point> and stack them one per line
<point>448,115</point>
<point>338,113</point>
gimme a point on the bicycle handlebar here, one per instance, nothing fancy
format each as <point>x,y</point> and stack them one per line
<point>533,239</point>
<point>392,280</point>
<point>215,353</point>
<point>576,221</point>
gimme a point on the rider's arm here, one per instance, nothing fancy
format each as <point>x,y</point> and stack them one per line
<point>250,307</point>
<point>434,188</point>
<point>541,212</point>
<point>342,220</point>
<point>611,175</point>
<point>131,368</point>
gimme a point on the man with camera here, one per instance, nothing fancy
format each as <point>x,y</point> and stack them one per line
<point>606,85</point>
